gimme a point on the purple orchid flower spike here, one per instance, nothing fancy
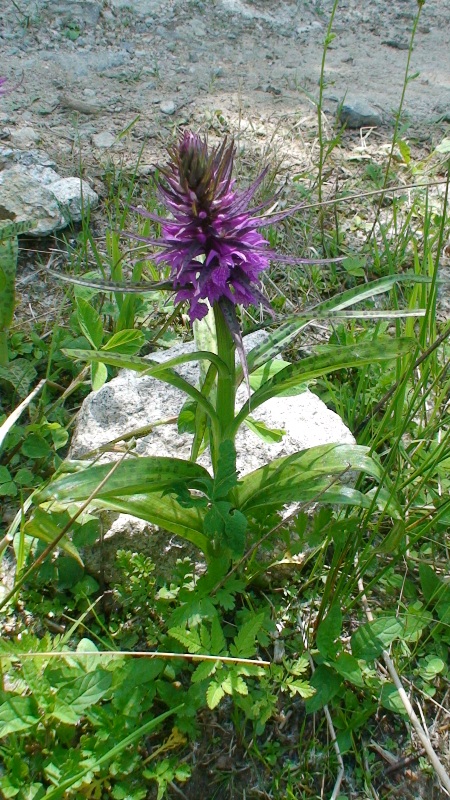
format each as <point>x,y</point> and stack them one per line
<point>211,240</point>
<point>212,244</point>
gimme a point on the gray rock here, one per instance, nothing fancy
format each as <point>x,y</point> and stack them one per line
<point>34,192</point>
<point>131,401</point>
<point>24,199</point>
<point>74,197</point>
<point>25,137</point>
<point>358,113</point>
<point>167,107</point>
<point>103,139</point>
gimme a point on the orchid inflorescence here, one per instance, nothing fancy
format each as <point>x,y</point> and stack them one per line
<point>212,243</point>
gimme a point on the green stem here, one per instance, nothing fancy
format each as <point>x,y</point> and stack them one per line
<point>225,403</point>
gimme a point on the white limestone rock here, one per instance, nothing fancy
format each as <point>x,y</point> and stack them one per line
<point>131,401</point>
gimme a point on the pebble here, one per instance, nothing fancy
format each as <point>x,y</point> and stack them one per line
<point>167,107</point>
<point>103,139</point>
<point>358,113</point>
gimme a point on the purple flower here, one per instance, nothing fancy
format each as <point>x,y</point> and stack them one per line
<point>3,88</point>
<point>211,243</point>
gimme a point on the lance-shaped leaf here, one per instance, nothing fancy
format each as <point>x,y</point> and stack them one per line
<point>312,367</point>
<point>165,512</point>
<point>135,476</point>
<point>162,372</point>
<point>304,476</point>
<point>286,333</point>
<point>8,263</point>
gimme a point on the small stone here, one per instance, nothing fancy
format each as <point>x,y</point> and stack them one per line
<point>167,107</point>
<point>358,113</point>
<point>103,139</point>
<point>397,44</point>
<point>75,195</point>
<point>25,137</point>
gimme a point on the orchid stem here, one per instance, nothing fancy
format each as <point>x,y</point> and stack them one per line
<point>225,403</point>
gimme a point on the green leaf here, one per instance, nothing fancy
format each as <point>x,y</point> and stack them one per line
<point>405,150</point>
<point>214,694</point>
<point>312,367</point>
<point>135,476</point>
<point>90,323</point>
<point>35,446</point>
<point>225,524</point>
<point>85,691</point>
<point>44,527</point>
<point>415,620</point>
<point>204,671</point>
<point>433,588</point>
<point>268,370</point>
<point>186,417</point>
<point>301,688</point>
<point>127,342</point>
<point>443,146</point>
<point>327,684</point>
<point>298,477</point>
<point>225,477</point>
<point>286,333</point>
<point>347,666</point>
<point>99,375</point>
<point>269,435</point>
<point>10,229</point>
<point>370,639</point>
<point>17,714</point>
<point>20,373</point>
<point>8,266</point>
<point>111,753</point>
<point>218,643</point>
<point>244,643</point>
<point>190,639</point>
<point>234,684</point>
<point>161,372</point>
<point>354,266</point>
<point>166,513</point>
<point>328,631</point>
<point>86,535</point>
<point>23,477</point>
<point>391,700</point>
<point>7,486</point>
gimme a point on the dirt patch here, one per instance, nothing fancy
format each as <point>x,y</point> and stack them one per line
<point>250,67</point>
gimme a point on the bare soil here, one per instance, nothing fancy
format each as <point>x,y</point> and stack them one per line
<point>247,67</point>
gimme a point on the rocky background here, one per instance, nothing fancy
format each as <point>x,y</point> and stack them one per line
<point>85,71</point>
